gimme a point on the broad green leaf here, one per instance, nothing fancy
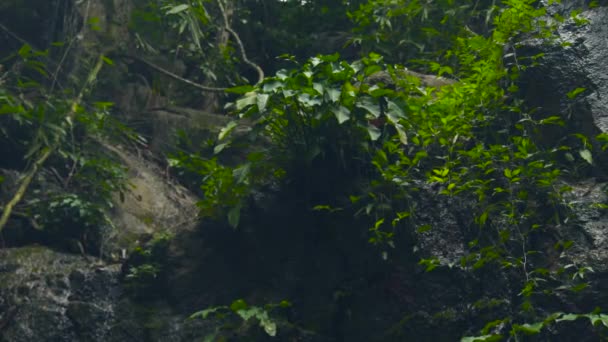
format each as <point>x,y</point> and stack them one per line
<point>374,132</point>
<point>248,100</point>
<point>262,100</point>
<point>270,327</point>
<point>586,155</point>
<point>272,86</point>
<point>238,305</point>
<point>314,61</point>
<point>333,94</point>
<point>372,69</point>
<point>309,100</point>
<point>282,74</point>
<point>379,92</point>
<point>253,312</point>
<point>6,109</point>
<point>330,58</point>
<point>600,318</point>
<point>393,120</point>
<point>341,113</point>
<point>318,87</point>
<point>394,110</point>
<point>531,329</point>
<point>568,317</point>
<point>370,106</point>
<point>241,173</point>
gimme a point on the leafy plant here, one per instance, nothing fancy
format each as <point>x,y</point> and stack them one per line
<point>247,314</point>
<point>393,137</point>
<point>146,266</point>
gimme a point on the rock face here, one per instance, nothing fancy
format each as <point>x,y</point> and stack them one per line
<point>576,60</point>
<point>152,204</point>
<point>46,296</point>
<point>51,296</point>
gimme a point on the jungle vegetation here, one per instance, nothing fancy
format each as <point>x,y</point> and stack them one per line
<point>341,131</point>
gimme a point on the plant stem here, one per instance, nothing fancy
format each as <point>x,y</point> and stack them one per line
<point>48,151</point>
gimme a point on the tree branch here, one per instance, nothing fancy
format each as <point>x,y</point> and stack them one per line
<point>177,77</point>
<point>242,51</point>
<point>236,37</point>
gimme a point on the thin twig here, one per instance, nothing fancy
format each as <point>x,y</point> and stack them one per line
<point>177,77</point>
<point>15,36</point>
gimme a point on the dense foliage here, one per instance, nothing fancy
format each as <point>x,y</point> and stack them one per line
<point>343,130</point>
<point>368,138</point>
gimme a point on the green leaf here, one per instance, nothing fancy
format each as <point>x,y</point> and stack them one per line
<point>394,110</point>
<point>238,305</point>
<point>234,216</point>
<point>248,100</point>
<point>552,120</point>
<point>372,69</point>
<point>575,93</point>
<point>318,87</point>
<point>531,329</point>
<point>423,228</point>
<point>178,9</point>
<point>107,60</point>
<point>586,155</point>
<point>205,313</point>
<point>601,318</point>
<point>271,86</point>
<point>244,89</point>
<point>341,113</point>
<point>226,130</point>
<point>374,132</point>
<point>220,147</point>
<point>309,100</point>
<point>270,327</point>
<point>25,50</point>
<point>568,317</point>
<point>6,109</point>
<point>333,94</point>
<point>241,173</point>
<point>262,100</point>
<point>370,106</point>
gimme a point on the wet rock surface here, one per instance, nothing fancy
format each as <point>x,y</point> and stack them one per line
<point>51,296</point>
<point>577,59</point>
<point>47,296</point>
